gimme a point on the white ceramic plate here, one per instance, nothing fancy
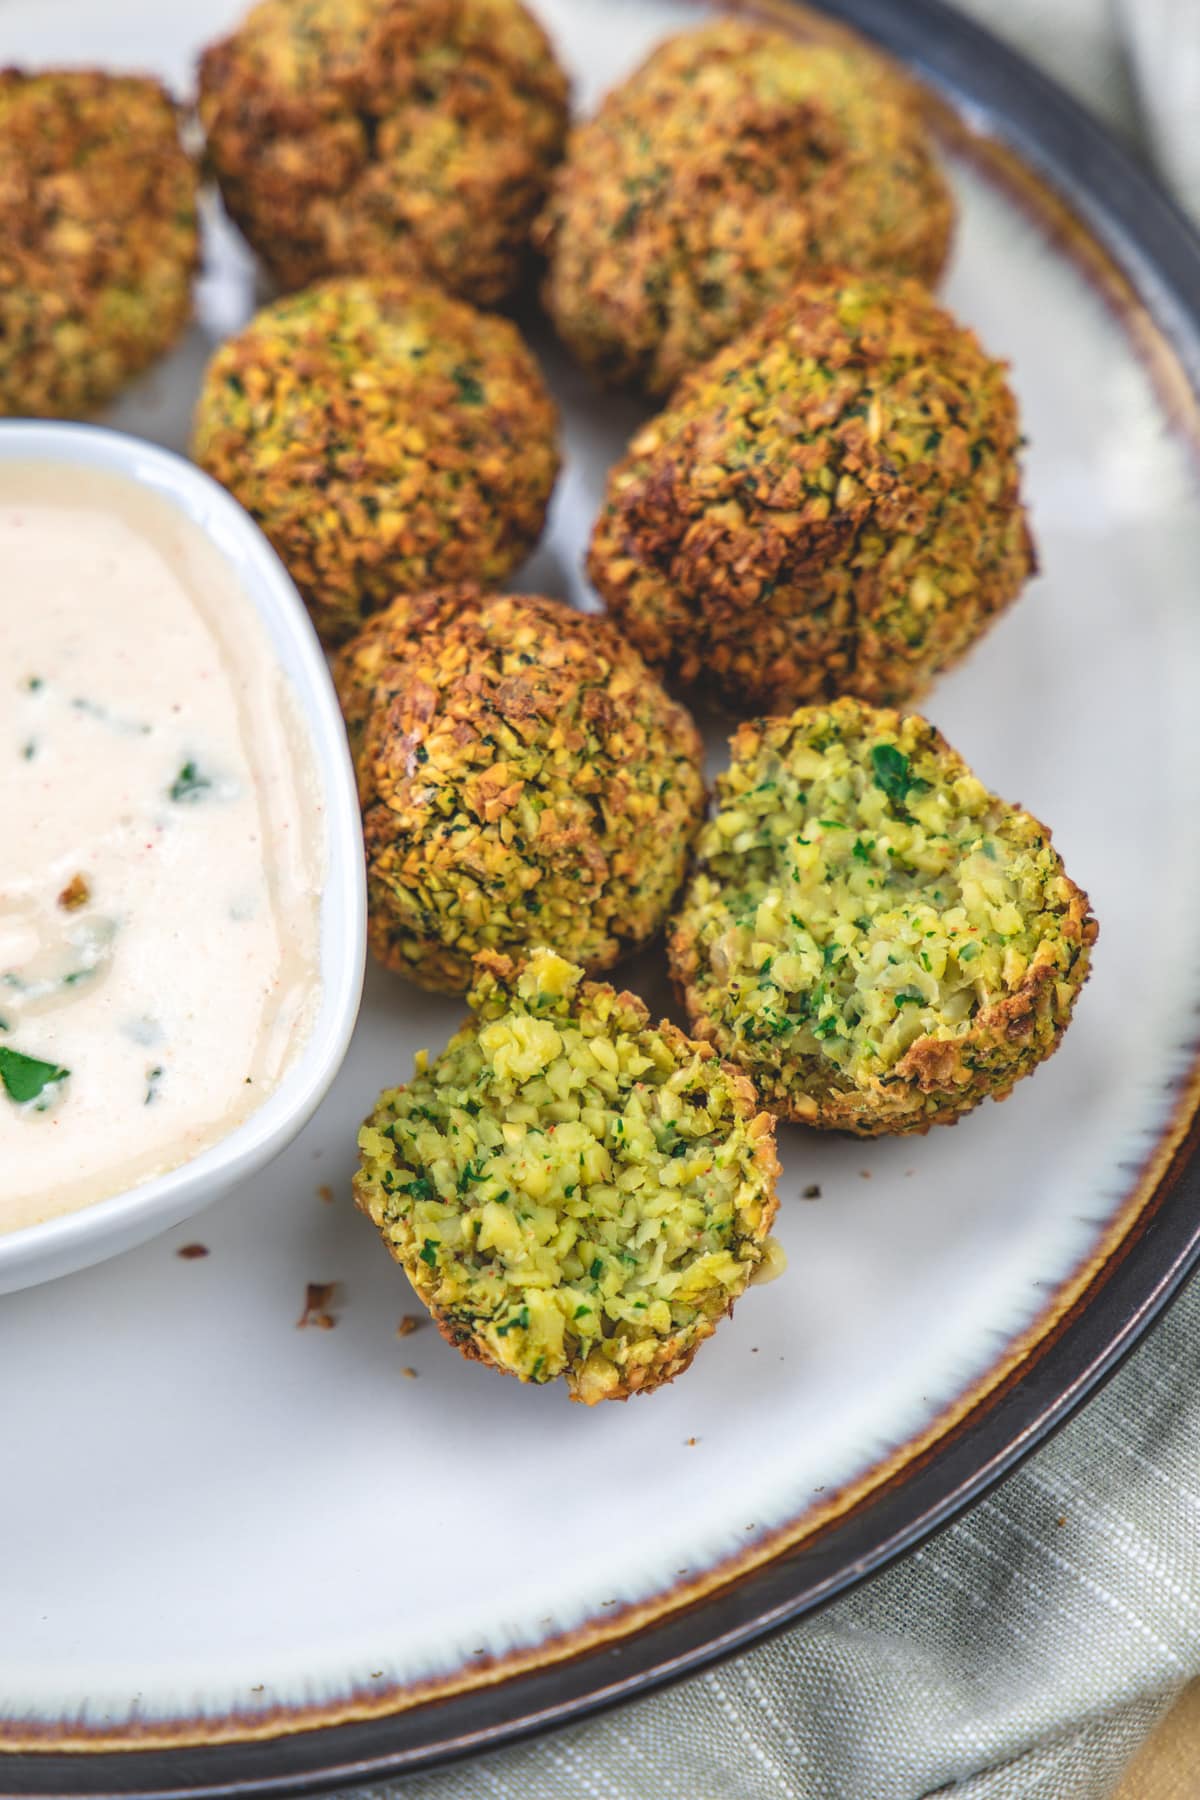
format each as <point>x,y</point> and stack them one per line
<point>263,1549</point>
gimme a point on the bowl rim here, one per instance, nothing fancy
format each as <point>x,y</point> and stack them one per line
<point>73,1240</point>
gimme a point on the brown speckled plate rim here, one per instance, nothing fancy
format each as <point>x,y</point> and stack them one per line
<point>1139,252</point>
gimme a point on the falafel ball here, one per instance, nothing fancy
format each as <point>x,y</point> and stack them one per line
<point>385,437</point>
<point>97,236</point>
<point>732,162</point>
<point>386,137</point>
<point>874,937</point>
<point>524,780</point>
<point>570,1190</point>
<point>831,505</point>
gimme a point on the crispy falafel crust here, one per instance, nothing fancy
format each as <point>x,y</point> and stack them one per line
<point>831,505</point>
<point>98,239</point>
<point>878,940</point>
<point>385,437</point>
<point>733,161</point>
<point>524,779</point>
<point>386,137</point>
<point>571,1191</point>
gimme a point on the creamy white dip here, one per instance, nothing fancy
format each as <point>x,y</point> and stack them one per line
<point>161,844</point>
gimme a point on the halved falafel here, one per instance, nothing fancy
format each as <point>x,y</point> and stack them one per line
<point>524,780</point>
<point>571,1190</point>
<point>831,505</point>
<point>732,162</point>
<point>97,236</point>
<point>386,137</point>
<point>874,937</point>
<point>385,437</point>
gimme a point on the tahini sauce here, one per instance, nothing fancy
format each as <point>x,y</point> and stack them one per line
<point>161,844</point>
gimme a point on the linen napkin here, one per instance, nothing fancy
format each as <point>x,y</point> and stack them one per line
<point>1163,42</point>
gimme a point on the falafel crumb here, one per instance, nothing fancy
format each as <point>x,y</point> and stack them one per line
<point>319,1298</point>
<point>77,893</point>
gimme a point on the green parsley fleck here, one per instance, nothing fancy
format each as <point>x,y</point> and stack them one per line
<point>26,1078</point>
<point>189,785</point>
<point>519,1320</point>
<point>893,774</point>
<point>470,388</point>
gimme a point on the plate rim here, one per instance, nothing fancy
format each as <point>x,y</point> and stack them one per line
<point>1033,133</point>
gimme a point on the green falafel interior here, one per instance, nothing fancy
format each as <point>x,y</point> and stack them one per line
<point>874,935</point>
<point>571,1190</point>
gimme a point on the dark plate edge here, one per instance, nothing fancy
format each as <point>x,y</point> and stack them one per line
<point>1028,113</point>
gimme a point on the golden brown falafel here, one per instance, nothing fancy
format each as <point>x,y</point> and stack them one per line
<point>386,137</point>
<point>732,162</point>
<point>831,505</point>
<point>385,437</point>
<point>570,1190</point>
<point>874,937</point>
<point>97,236</point>
<point>524,780</point>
